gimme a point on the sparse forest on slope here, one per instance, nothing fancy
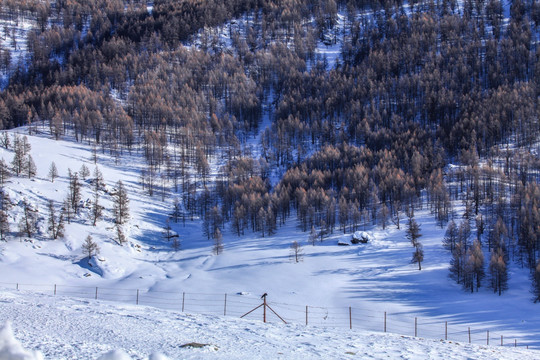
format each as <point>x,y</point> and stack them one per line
<point>430,104</point>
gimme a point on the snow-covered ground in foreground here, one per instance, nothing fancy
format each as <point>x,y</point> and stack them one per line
<point>373,279</point>
<point>62,328</point>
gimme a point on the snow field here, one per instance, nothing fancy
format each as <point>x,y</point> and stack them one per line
<point>64,328</point>
<point>373,279</point>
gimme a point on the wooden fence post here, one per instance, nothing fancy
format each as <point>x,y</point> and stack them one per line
<point>264,305</point>
<point>264,308</point>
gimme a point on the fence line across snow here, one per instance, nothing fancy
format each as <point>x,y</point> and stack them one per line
<point>239,305</point>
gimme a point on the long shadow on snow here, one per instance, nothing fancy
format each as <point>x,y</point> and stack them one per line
<point>164,261</point>
<point>256,262</point>
<point>436,301</point>
<point>155,238</point>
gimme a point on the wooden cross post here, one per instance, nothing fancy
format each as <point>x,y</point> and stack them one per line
<point>264,306</point>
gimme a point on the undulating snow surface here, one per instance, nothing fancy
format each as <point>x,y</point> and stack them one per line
<point>62,328</point>
<point>339,284</point>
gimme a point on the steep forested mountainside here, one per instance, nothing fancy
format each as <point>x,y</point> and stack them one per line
<point>429,104</point>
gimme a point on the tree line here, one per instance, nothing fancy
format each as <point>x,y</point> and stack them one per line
<point>430,104</point>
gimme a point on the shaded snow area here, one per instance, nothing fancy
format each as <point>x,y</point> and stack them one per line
<point>13,36</point>
<point>375,280</point>
<point>61,328</point>
<point>327,47</point>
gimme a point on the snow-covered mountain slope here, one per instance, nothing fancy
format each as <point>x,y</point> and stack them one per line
<point>61,328</point>
<point>373,279</point>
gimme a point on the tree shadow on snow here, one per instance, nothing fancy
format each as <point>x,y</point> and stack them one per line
<point>89,265</point>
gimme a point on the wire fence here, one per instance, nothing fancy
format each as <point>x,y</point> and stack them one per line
<point>247,306</point>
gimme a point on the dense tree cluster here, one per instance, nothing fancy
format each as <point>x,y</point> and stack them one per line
<point>417,86</point>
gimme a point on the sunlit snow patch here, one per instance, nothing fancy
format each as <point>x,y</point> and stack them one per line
<point>11,349</point>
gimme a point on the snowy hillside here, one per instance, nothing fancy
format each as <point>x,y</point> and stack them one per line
<point>334,286</point>
<point>170,163</point>
<point>61,328</point>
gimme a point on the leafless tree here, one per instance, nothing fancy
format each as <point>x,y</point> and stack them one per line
<point>19,161</point>
<point>4,140</point>
<point>74,190</point>
<point>536,282</point>
<point>31,169</point>
<point>413,234</point>
<point>27,224</point>
<point>121,203</point>
<point>121,238</point>
<point>56,224</point>
<point>5,173</point>
<point>5,206</point>
<point>313,235</point>
<point>53,172</point>
<point>498,270</point>
<point>297,252</point>
<point>97,209</point>
<point>84,172</point>
<point>218,242</point>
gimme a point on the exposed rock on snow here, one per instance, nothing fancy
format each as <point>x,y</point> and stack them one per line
<point>197,345</point>
<point>361,237</point>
